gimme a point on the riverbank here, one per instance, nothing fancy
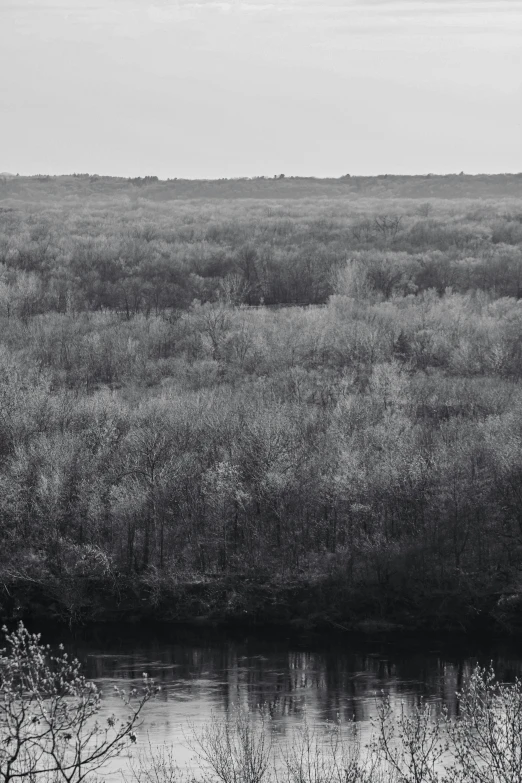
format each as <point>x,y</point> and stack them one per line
<point>315,605</point>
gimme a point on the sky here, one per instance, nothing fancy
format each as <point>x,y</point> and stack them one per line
<point>204,89</point>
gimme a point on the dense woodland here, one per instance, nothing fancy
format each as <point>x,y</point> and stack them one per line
<point>263,399</point>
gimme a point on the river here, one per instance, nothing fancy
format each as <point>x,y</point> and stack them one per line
<point>204,674</point>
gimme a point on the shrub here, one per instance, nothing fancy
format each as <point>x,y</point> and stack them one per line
<point>48,715</point>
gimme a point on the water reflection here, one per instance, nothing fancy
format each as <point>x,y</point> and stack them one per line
<point>201,673</point>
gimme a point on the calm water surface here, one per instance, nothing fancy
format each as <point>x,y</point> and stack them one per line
<point>204,673</point>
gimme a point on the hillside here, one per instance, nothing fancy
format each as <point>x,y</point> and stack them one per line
<point>173,448</point>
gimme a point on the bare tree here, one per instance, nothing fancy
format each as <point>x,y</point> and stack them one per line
<point>48,715</point>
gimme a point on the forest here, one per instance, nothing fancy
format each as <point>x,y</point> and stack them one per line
<point>267,401</point>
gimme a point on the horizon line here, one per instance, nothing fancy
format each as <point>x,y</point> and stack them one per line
<point>246,178</point>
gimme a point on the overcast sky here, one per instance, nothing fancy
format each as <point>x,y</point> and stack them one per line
<point>178,88</point>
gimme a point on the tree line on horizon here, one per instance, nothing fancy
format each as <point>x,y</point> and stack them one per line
<point>46,187</point>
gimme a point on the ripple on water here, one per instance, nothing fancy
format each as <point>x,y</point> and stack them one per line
<point>202,674</point>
